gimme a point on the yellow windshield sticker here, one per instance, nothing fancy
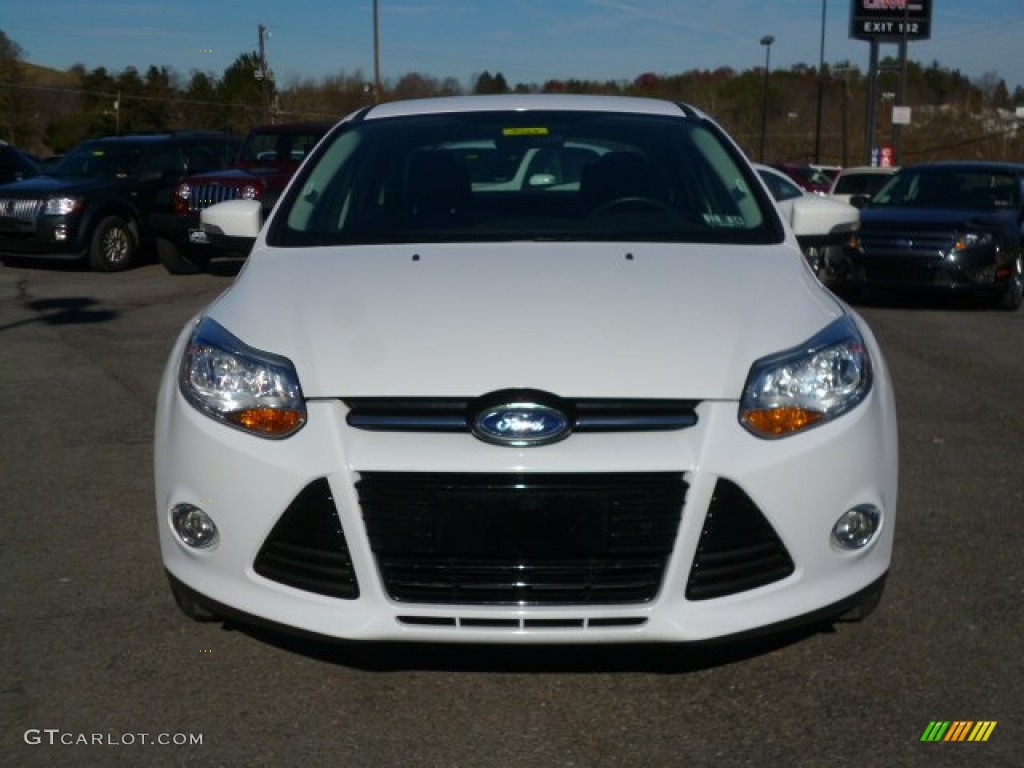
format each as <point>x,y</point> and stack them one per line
<point>524,131</point>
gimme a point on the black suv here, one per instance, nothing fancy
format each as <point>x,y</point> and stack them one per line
<point>99,200</point>
<point>955,227</point>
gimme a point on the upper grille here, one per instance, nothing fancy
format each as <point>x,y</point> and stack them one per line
<point>20,209</point>
<point>919,245</point>
<point>204,195</point>
<point>307,547</point>
<point>454,414</point>
<point>522,539</point>
<point>738,548</point>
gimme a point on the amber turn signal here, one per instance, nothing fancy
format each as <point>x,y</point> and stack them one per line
<point>775,422</point>
<point>270,422</point>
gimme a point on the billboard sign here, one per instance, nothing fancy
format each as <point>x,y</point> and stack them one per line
<point>890,20</point>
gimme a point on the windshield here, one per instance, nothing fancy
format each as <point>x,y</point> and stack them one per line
<point>100,161</point>
<point>860,183</point>
<point>287,147</point>
<point>979,189</point>
<point>525,175</point>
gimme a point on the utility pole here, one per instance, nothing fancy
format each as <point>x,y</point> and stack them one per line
<point>821,88</point>
<point>869,138</point>
<point>261,75</point>
<point>901,88</point>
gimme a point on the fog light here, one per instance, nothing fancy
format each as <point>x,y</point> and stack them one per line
<point>60,233</point>
<point>857,527</point>
<point>193,526</point>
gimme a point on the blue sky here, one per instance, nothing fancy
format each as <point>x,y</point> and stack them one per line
<point>527,41</point>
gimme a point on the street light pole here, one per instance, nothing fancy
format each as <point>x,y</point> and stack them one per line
<point>766,41</point>
<point>261,75</point>
<point>376,52</point>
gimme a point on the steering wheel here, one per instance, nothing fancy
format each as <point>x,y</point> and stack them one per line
<point>637,202</point>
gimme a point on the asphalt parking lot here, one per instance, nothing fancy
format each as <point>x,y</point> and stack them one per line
<point>99,668</point>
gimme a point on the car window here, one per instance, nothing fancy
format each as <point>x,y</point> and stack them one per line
<point>780,187</point>
<point>201,157</point>
<point>535,175</point>
<point>163,160</point>
<point>859,183</point>
<point>15,165</point>
<point>945,188</point>
<point>102,160</point>
<point>279,147</point>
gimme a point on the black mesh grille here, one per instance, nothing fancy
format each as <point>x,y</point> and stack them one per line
<point>307,548</point>
<point>527,539</point>
<point>738,548</point>
<point>899,271</point>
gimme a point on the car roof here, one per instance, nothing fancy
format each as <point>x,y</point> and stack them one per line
<point>293,127</point>
<point>529,101</point>
<point>865,169</point>
<point>966,165</point>
<point>153,138</point>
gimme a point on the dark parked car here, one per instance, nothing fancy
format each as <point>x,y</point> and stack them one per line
<point>943,227</point>
<point>267,160</point>
<point>97,202</point>
<point>16,165</point>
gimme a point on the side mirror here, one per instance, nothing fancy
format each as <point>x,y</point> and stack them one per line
<point>233,225</point>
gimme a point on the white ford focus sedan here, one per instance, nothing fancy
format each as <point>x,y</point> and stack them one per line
<point>525,368</point>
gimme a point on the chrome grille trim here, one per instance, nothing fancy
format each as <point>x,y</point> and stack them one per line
<point>204,195</point>
<point>517,624</point>
<point>21,209</point>
<point>421,414</point>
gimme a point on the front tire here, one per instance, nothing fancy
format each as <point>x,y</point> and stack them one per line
<point>177,260</point>
<point>113,246</point>
<point>866,604</point>
<point>189,604</point>
<point>1011,297</point>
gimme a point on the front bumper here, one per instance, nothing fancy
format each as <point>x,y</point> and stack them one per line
<point>973,271</point>
<point>53,237</point>
<point>798,487</point>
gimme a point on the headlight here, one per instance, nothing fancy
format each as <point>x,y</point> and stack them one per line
<point>972,240</point>
<point>250,192</point>
<point>808,385</point>
<point>61,206</point>
<point>257,392</point>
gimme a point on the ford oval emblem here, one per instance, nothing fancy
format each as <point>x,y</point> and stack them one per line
<point>521,424</point>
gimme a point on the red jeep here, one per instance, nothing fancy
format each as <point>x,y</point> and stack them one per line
<point>266,162</point>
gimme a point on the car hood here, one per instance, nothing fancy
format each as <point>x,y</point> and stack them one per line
<point>243,175</point>
<point>575,319</point>
<point>47,186</point>
<point>933,218</point>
